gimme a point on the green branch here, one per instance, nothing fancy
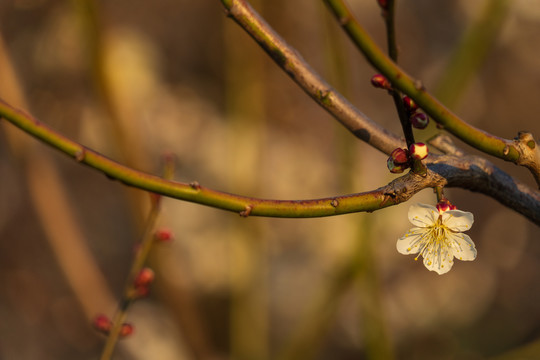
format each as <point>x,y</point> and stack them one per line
<point>471,52</point>
<point>396,192</point>
<point>490,144</point>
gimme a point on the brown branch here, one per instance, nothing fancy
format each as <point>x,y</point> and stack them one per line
<point>301,72</point>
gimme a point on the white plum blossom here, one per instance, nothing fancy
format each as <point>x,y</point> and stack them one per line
<point>438,237</point>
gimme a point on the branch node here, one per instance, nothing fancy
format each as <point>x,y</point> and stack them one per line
<point>80,155</point>
<point>195,185</point>
<point>334,203</point>
<point>419,85</point>
<point>246,211</point>
<point>324,96</point>
<point>344,20</point>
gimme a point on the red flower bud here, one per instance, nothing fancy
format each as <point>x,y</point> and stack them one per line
<point>164,235</point>
<point>410,105</point>
<point>102,323</point>
<point>419,120</point>
<point>400,156</point>
<point>126,330</point>
<point>418,151</point>
<point>379,81</point>
<point>445,205</point>
<point>145,278</point>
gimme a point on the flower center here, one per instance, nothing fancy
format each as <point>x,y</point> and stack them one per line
<point>435,246</point>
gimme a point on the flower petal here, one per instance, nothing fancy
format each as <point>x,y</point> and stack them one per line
<point>423,215</point>
<point>457,220</point>
<point>440,264</point>
<point>463,246</point>
<point>411,242</point>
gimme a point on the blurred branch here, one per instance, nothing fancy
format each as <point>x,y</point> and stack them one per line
<point>523,152</point>
<point>471,52</point>
<point>131,293</point>
<point>470,172</point>
<point>528,351</point>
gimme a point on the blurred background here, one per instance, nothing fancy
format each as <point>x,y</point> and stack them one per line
<point>137,79</point>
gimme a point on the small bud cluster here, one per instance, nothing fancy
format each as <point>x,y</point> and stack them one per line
<point>104,325</point>
<point>419,120</point>
<point>140,287</point>
<point>401,159</point>
<point>142,282</point>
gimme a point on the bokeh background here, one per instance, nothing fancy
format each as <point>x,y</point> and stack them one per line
<point>137,79</point>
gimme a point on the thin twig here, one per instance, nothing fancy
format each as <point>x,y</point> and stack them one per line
<point>129,295</point>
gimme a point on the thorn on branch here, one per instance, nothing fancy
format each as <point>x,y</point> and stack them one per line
<point>246,211</point>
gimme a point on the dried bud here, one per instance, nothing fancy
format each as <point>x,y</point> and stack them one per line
<point>400,156</point>
<point>164,235</point>
<point>410,105</point>
<point>144,279</point>
<point>126,330</point>
<point>379,81</point>
<point>102,323</point>
<point>394,168</point>
<point>419,120</point>
<point>418,151</point>
<point>383,4</point>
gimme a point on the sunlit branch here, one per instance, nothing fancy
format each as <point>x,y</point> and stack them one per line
<point>299,70</point>
<point>471,172</point>
<point>517,151</point>
<point>395,192</point>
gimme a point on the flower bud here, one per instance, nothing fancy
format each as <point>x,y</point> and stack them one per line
<point>418,151</point>
<point>102,323</point>
<point>379,81</point>
<point>419,120</point>
<point>409,104</point>
<point>400,156</point>
<point>163,235</point>
<point>126,330</point>
<point>445,205</point>
<point>144,279</point>
<point>395,168</point>
<point>383,4</point>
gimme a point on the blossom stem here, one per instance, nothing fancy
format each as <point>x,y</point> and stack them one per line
<point>439,192</point>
